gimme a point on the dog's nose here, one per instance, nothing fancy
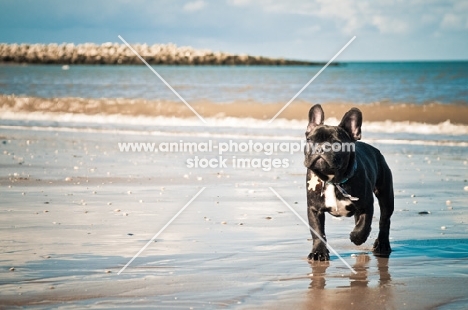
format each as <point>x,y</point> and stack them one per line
<point>318,149</point>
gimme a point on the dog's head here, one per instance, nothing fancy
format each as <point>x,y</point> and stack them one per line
<point>330,150</point>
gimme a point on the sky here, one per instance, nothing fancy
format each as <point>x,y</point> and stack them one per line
<point>386,30</point>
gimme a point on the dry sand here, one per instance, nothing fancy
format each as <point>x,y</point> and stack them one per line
<point>74,210</point>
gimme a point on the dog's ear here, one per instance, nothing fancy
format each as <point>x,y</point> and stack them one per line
<point>352,122</point>
<point>316,117</point>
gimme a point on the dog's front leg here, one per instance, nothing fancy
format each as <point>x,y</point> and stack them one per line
<point>363,227</point>
<point>317,223</point>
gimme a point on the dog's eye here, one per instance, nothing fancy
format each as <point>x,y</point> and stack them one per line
<point>309,147</point>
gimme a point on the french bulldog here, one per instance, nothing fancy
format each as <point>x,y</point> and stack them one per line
<point>342,176</point>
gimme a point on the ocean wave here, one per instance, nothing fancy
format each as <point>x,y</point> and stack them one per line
<point>145,123</point>
<point>432,113</point>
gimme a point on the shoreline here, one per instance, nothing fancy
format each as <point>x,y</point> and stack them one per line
<point>430,113</point>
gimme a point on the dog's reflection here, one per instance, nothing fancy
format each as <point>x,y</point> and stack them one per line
<point>319,269</point>
<point>333,290</point>
<point>369,288</point>
<point>360,279</point>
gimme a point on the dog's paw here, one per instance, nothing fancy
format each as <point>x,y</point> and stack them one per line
<point>382,248</point>
<point>319,253</point>
<point>358,237</point>
<point>316,256</point>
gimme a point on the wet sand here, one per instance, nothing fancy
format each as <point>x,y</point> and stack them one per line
<point>74,211</point>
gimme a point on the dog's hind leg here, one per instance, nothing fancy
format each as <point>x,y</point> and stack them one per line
<point>384,193</point>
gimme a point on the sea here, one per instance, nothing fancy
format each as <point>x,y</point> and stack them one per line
<point>356,82</point>
<point>134,98</point>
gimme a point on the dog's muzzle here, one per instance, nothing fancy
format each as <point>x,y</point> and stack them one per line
<point>313,152</point>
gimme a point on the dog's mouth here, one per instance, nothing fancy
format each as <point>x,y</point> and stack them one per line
<point>320,166</point>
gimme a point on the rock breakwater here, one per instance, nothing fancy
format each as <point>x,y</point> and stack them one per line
<point>114,54</point>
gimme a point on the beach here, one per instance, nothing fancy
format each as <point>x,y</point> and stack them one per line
<point>75,210</point>
<point>162,154</point>
<point>76,206</point>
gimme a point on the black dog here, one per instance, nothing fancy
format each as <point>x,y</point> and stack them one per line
<point>342,176</point>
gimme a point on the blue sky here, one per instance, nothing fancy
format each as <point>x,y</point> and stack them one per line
<point>297,29</point>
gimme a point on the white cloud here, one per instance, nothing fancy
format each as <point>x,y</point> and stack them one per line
<point>353,15</point>
<point>456,19</point>
<point>312,29</point>
<point>385,16</point>
<point>239,2</point>
<point>386,25</point>
<point>194,5</point>
<point>451,21</point>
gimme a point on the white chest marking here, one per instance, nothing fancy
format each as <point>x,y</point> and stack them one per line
<point>338,207</point>
<point>330,197</point>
